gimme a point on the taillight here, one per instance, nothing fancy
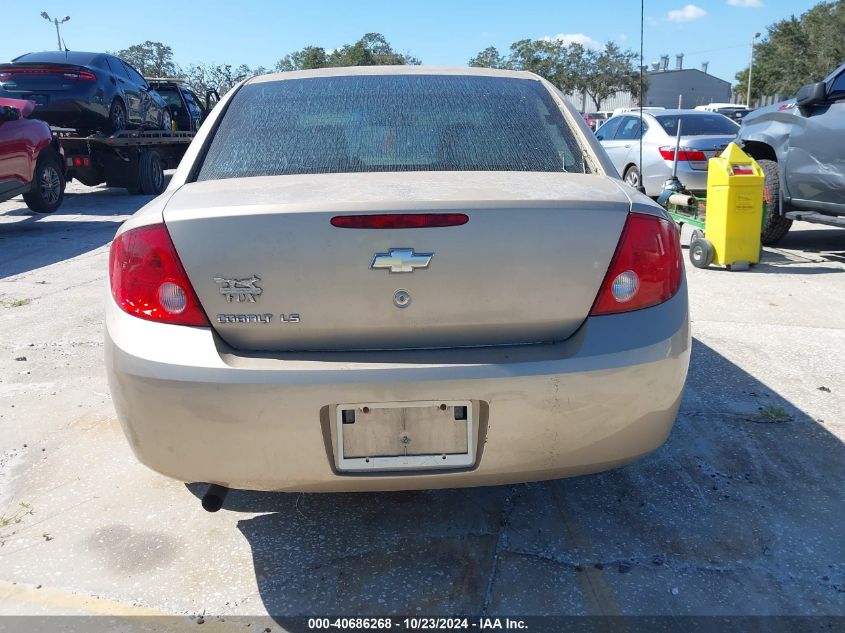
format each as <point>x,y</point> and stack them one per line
<point>148,280</point>
<point>684,153</point>
<point>399,220</point>
<point>82,75</point>
<point>646,268</point>
<point>76,75</point>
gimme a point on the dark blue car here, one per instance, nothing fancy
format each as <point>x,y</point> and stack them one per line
<point>84,91</point>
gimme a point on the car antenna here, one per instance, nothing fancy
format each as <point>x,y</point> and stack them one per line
<point>640,186</point>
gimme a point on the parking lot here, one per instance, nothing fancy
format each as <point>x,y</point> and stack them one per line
<point>741,512</point>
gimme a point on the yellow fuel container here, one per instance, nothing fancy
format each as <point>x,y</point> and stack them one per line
<point>734,207</point>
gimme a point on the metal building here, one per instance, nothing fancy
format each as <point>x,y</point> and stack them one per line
<point>665,84</point>
<point>695,86</point>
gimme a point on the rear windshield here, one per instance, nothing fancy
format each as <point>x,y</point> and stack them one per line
<point>697,124</point>
<point>391,123</point>
<point>58,57</point>
<point>170,95</point>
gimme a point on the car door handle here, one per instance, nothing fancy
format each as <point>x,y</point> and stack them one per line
<point>627,146</point>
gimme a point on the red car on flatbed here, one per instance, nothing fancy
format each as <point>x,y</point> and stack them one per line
<point>31,158</point>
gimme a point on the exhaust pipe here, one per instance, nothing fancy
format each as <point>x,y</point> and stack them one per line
<point>214,497</point>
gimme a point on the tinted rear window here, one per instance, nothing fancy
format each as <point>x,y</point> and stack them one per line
<point>170,95</point>
<point>391,123</point>
<point>697,124</point>
<point>58,57</point>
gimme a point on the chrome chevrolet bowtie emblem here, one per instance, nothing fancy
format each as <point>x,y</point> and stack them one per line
<point>239,289</point>
<point>401,260</point>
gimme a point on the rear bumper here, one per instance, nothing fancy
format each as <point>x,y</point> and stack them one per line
<point>71,113</point>
<point>66,109</point>
<point>196,411</point>
<point>693,179</point>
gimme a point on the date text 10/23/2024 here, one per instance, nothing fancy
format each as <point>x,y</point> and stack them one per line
<point>417,624</point>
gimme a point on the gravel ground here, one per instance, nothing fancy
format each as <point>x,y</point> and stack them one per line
<point>741,512</point>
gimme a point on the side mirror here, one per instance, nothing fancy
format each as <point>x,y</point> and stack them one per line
<point>211,99</point>
<point>8,113</point>
<point>811,95</point>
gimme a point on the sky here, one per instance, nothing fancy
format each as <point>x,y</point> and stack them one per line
<point>439,32</point>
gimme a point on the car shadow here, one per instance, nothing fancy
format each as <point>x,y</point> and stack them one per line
<point>796,253</point>
<point>741,511</point>
<point>84,222</point>
<point>815,240</point>
<point>776,261</point>
<point>800,249</point>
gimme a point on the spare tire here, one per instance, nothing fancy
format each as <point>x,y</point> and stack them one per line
<point>775,226</point>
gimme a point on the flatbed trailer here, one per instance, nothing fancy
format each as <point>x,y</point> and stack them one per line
<point>135,159</point>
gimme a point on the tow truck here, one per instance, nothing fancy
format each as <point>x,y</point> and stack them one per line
<point>134,159</point>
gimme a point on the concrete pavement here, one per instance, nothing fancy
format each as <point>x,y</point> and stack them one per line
<point>742,511</point>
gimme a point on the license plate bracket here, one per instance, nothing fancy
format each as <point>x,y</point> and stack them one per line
<point>393,436</point>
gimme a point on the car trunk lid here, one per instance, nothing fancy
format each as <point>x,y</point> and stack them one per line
<point>710,146</point>
<point>274,274</point>
<point>42,78</point>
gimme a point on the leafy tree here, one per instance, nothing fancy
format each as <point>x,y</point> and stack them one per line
<point>307,58</point>
<point>609,71</point>
<point>221,77</point>
<point>489,58</point>
<point>572,68</point>
<point>151,59</point>
<point>371,50</point>
<point>797,51</point>
<point>542,57</point>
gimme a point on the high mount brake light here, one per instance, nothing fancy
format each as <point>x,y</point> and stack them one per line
<point>399,220</point>
<point>148,280</point>
<point>645,270</point>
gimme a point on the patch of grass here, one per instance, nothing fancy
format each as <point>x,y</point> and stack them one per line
<point>773,414</point>
<point>15,303</point>
<point>13,519</point>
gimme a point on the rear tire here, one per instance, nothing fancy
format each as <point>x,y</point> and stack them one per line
<point>775,226</point>
<point>166,122</point>
<point>48,184</point>
<point>701,252</point>
<point>632,176</point>
<point>117,116</point>
<point>151,176</point>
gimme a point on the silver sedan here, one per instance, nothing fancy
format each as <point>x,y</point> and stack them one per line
<point>703,135</point>
<point>395,278</point>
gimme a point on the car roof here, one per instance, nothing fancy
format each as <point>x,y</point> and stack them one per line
<point>350,71</point>
<point>165,80</point>
<point>676,112</point>
<point>69,57</point>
